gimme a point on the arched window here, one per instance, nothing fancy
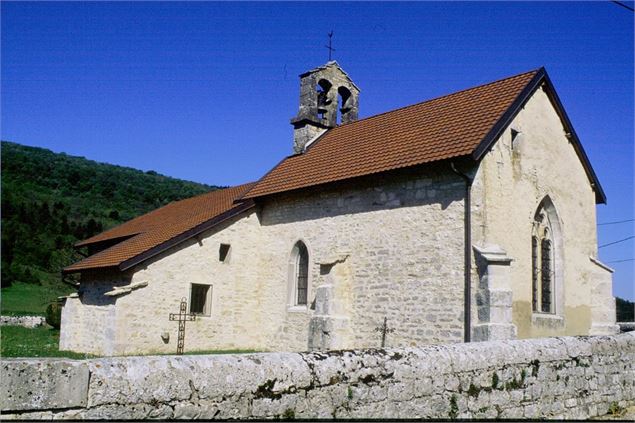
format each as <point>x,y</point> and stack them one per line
<point>299,264</point>
<point>543,258</point>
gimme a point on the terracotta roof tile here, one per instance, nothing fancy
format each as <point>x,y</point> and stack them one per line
<point>160,226</point>
<point>442,128</point>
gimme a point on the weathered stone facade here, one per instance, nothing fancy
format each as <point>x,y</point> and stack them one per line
<point>555,378</point>
<point>326,94</point>
<point>510,183</point>
<point>375,242</point>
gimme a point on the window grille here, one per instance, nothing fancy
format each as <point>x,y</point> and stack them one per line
<point>546,278</point>
<point>543,260</point>
<point>534,272</point>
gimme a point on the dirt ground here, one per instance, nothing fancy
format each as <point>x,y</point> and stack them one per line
<point>627,415</point>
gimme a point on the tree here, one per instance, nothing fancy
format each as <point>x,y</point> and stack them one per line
<point>49,200</point>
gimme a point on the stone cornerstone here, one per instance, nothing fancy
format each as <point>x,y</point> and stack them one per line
<point>554,378</point>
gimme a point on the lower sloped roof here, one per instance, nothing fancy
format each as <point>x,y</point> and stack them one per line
<point>152,233</point>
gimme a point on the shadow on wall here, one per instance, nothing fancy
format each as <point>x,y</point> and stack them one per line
<point>433,184</point>
<point>95,285</point>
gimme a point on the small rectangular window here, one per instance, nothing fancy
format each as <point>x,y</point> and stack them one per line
<point>201,299</point>
<point>223,253</point>
<point>516,138</point>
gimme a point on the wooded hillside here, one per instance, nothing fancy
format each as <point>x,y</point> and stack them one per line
<point>50,201</point>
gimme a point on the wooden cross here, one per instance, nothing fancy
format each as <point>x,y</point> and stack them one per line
<point>331,49</point>
<point>182,316</point>
<point>384,330</point>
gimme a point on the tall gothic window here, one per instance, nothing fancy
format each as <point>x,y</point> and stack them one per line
<point>542,266</point>
<point>300,257</point>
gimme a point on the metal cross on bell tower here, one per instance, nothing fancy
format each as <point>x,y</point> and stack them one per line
<point>330,46</point>
<point>182,316</point>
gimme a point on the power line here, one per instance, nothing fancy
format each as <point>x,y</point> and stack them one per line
<point>617,242</point>
<point>621,261</point>
<point>619,3</point>
<point>616,222</point>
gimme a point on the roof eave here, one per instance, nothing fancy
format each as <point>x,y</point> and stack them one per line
<point>537,81</point>
<point>600,196</point>
<point>68,270</point>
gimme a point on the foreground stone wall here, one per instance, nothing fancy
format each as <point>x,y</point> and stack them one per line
<point>26,321</point>
<point>540,378</point>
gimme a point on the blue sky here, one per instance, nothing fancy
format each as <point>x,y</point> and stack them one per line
<point>205,91</point>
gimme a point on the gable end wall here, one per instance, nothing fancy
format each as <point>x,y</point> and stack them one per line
<point>508,187</point>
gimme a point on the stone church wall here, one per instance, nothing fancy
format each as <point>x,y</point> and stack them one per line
<point>512,179</point>
<point>391,246</point>
<point>556,378</point>
<point>235,320</point>
<point>139,322</point>
<point>90,325</point>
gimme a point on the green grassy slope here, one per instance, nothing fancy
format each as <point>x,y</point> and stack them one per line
<point>43,341</point>
<point>50,201</point>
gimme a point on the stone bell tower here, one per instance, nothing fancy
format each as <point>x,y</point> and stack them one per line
<point>328,97</point>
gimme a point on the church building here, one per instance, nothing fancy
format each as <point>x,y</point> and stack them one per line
<point>464,218</point>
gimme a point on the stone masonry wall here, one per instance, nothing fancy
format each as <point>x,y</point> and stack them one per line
<point>25,321</point>
<point>138,322</point>
<point>391,245</point>
<point>554,378</point>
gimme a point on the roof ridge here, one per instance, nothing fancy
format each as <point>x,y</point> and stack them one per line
<point>439,97</point>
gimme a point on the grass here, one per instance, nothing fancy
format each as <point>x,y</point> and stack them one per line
<point>205,352</point>
<point>43,341</point>
<point>30,299</point>
<point>615,409</point>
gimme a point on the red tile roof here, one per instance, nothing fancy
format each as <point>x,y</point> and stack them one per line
<point>147,234</point>
<point>442,128</point>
